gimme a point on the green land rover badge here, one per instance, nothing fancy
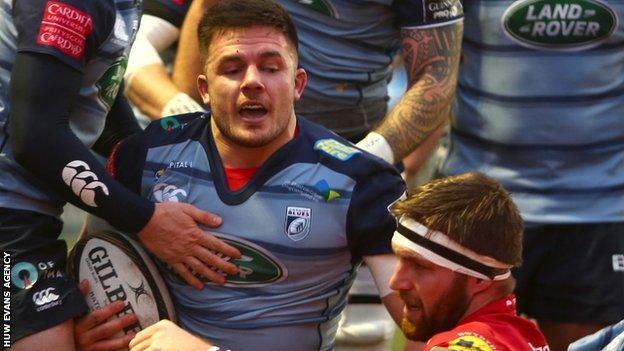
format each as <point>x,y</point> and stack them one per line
<point>563,25</point>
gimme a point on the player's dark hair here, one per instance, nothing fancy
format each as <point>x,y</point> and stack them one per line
<point>228,14</point>
<point>473,210</point>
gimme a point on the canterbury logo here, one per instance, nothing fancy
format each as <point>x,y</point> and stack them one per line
<point>82,181</point>
<point>168,193</point>
<point>44,297</point>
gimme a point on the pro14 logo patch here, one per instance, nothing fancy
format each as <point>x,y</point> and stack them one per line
<point>336,149</point>
<point>297,224</point>
<point>563,25</point>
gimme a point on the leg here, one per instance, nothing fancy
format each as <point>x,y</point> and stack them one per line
<point>59,337</point>
<point>43,300</point>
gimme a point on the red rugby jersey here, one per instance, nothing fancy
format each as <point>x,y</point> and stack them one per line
<point>495,327</point>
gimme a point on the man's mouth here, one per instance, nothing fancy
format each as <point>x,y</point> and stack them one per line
<point>252,111</point>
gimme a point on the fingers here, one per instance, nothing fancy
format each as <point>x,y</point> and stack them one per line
<point>203,217</point>
<point>140,340</point>
<point>93,331</point>
<point>213,243</point>
<point>143,339</point>
<point>111,327</point>
<point>206,269</point>
<point>139,346</point>
<point>213,261</point>
<point>113,344</point>
<point>98,316</point>
<point>186,274</point>
<point>84,287</point>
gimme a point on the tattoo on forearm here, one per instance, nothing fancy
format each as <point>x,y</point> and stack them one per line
<point>431,57</point>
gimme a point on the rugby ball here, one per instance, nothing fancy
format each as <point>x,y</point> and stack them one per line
<point>118,268</point>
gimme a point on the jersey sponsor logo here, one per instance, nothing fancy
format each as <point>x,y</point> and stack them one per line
<point>180,164</point>
<point>108,85</point>
<point>48,270</point>
<point>24,275</point>
<point>564,25</point>
<point>323,188</point>
<point>83,182</point>
<point>169,124</point>
<point>257,267</point>
<point>297,223</point>
<point>44,297</point>
<point>321,191</point>
<point>164,192</point>
<point>539,348</point>
<point>443,10</point>
<point>64,27</point>
<point>324,7</point>
<point>470,343</point>
<point>336,149</point>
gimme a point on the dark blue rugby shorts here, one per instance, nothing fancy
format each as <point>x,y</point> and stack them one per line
<point>41,294</point>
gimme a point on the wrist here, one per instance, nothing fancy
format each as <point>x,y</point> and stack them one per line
<point>377,145</point>
<point>180,103</point>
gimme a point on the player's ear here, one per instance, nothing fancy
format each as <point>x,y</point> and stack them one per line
<point>477,285</point>
<point>301,79</point>
<point>202,87</point>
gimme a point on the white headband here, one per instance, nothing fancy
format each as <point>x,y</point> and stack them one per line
<point>443,251</point>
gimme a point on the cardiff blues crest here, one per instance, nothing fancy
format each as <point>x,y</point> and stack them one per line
<point>297,224</point>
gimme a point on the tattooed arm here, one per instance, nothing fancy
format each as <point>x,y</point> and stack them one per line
<point>431,57</point>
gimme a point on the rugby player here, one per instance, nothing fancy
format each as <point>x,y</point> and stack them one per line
<point>304,206</point>
<point>457,240</point>
<point>61,68</point>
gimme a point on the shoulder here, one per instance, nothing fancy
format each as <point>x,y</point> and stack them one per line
<point>165,131</point>
<point>174,129</point>
<point>469,336</point>
<point>495,331</point>
<point>341,155</point>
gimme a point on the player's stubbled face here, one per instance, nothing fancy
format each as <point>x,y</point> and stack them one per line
<point>252,83</point>
<point>435,297</point>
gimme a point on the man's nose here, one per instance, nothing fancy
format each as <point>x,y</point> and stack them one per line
<point>252,80</point>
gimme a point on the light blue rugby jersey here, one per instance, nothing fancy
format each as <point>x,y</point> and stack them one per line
<point>102,59</point>
<point>346,46</point>
<point>302,223</point>
<point>541,105</point>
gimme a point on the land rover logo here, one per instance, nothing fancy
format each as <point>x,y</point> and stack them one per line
<point>322,6</point>
<point>108,84</point>
<point>257,267</point>
<point>564,25</point>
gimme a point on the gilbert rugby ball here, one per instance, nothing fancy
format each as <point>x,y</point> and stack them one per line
<point>118,268</point>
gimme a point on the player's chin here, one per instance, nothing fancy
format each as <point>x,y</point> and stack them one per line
<point>254,138</point>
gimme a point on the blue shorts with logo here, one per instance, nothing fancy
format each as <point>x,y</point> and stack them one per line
<point>573,273</point>
<point>41,294</point>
